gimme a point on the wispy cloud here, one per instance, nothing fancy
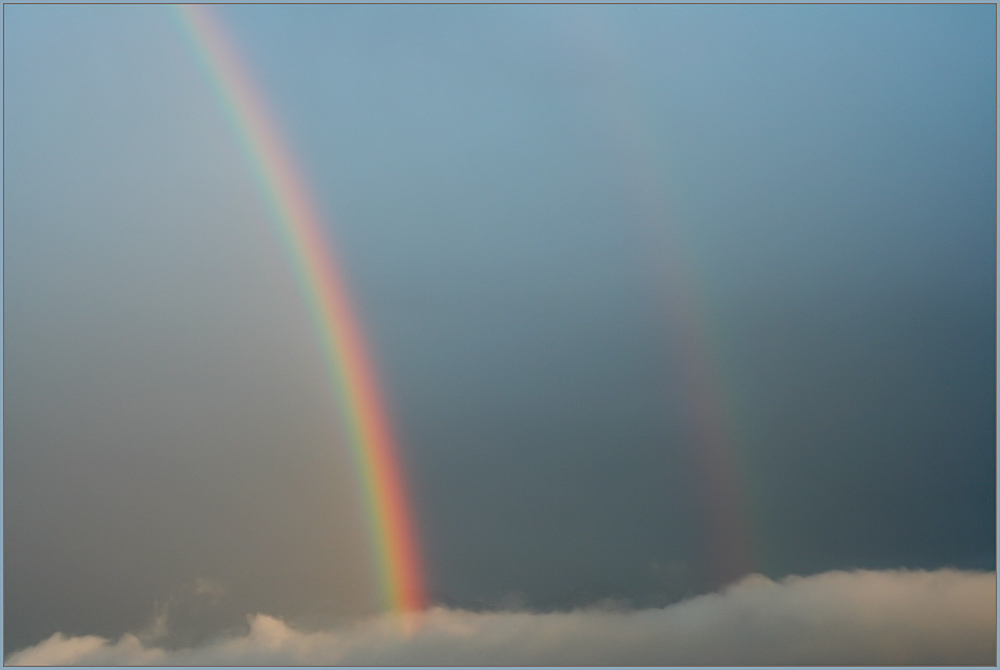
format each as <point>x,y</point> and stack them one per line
<point>943,617</point>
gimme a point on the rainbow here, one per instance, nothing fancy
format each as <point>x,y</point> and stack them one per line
<point>717,449</point>
<point>351,374</point>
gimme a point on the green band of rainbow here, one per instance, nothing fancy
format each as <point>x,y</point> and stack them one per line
<point>372,446</point>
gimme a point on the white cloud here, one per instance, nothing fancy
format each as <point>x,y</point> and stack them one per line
<point>944,617</point>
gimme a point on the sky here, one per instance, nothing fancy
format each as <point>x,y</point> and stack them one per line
<point>677,312</point>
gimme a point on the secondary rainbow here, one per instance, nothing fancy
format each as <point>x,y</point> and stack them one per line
<point>730,543</point>
<point>351,374</point>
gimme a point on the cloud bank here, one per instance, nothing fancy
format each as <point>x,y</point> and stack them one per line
<point>944,617</point>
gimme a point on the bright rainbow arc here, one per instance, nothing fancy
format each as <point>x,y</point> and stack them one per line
<point>372,445</point>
